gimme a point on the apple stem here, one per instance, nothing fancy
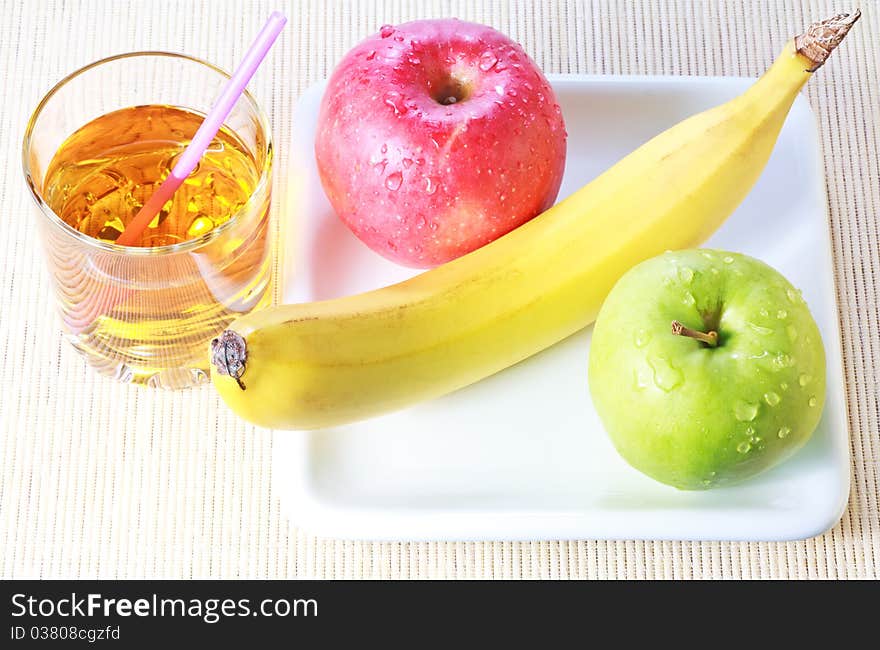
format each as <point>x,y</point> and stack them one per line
<point>710,338</point>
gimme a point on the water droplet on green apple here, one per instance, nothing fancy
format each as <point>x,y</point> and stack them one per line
<point>686,274</point>
<point>783,432</point>
<point>792,295</point>
<point>760,329</point>
<point>641,338</point>
<point>782,314</point>
<point>707,255</point>
<point>781,361</point>
<point>784,385</point>
<point>812,401</point>
<point>803,380</point>
<point>744,447</point>
<point>792,332</point>
<point>689,299</point>
<point>394,181</point>
<point>772,398</point>
<point>745,411</point>
<point>728,260</point>
<point>666,376</point>
<point>764,312</point>
<point>642,377</point>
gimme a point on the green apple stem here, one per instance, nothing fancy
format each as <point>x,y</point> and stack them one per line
<point>710,338</point>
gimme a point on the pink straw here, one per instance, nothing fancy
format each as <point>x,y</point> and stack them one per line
<point>208,129</point>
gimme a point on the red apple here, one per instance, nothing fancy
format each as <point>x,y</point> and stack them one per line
<point>436,137</point>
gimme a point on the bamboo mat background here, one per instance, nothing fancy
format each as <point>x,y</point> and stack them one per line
<point>104,480</point>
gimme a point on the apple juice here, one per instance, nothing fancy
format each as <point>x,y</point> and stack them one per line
<point>156,306</point>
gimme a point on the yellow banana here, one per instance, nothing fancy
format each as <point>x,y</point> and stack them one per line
<point>322,364</point>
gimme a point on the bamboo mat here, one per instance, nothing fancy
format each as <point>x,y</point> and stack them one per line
<point>104,480</point>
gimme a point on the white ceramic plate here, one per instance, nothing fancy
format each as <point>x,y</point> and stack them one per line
<point>522,455</point>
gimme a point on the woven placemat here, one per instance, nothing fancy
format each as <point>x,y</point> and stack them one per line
<point>104,480</point>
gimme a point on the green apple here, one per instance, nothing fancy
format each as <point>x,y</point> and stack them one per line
<point>706,367</point>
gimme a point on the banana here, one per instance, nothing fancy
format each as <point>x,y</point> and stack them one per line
<point>323,364</point>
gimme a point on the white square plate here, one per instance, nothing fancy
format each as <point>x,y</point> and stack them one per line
<point>522,455</point>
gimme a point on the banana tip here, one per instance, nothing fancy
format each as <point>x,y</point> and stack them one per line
<point>822,38</point>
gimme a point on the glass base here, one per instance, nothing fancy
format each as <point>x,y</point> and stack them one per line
<point>186,376</point>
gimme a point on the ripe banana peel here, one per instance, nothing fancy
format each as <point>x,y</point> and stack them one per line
<point>322,364</point>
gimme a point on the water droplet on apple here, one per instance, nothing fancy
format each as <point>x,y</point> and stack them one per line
<point>488,61</point>
<point>430,185</point>
<point>414,60</point>
<point>783,432</point>
<point>433,226</point>
<point>745,411</point>
<point>707,255</point>
<point>792,332</point>
<point>386,30</point>
<point>744,447</point>
<point>782,314</point>
<point>384,148</point>
<point>686,274</point>
<point>407,163</point>
<point>642,378</point>
<point>380,166</point>
<point>792,295</point>
<point>666,376</point>
<point>394,181</point>
<point>728,260</point>
<point>803,380</point>
<point>395,101</point>
<point>812,401</point>
<point>784,385</point>
<point>764,312</point>
<point>642,337</point>
<point>689,299</point>
<point>371,55</point>
<point>781,361</point>
<point>764,331</point>
<point>421,223</point>
<point>772,398</point>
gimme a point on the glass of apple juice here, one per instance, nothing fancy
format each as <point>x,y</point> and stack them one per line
<point>95,149</point>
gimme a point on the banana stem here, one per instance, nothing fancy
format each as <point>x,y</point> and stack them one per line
<point>821,38</point>
<point>710,338</point>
